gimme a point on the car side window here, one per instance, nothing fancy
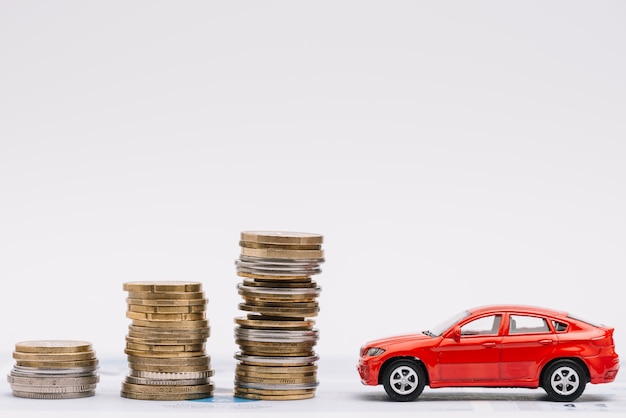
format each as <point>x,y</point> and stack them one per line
<point>524,324</point>
<point>559,326</point>
<point>487,325</point>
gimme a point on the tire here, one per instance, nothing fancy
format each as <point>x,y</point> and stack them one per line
<point>564,381</point>
<point>404,380</point>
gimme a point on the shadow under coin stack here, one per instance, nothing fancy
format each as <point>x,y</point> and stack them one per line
<point>54,369</point>
<point>276,338</point>
<point>165,344</point>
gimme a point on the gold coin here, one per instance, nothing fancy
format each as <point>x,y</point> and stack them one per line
<point>282,237</point>
<point>163,354</point>
<point>165,316</point>
<point>53,346</point>
<point>201,360</point>
<point>169,332</point>
<point>167,309</point>
<point>283,254</point>
<point>279,311</point>
<point>167,302</point>
<point>249,244</point>
<point>243,394</point>
<point>171,324</point>
<point>166,296</point>
<point>87,355</point>
<point>166,397</point>
<point>260,322</point>
<point>252,375</point>
<point>281,304</point>
<point>57,364</point>
<point>166,389</point>
<point>164,342</point>
<point>159,368</point>
<point>163,286</point>
<point>273,370</point>
<point>164,348</point>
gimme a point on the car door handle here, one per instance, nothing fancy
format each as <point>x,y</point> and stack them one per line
<point>545,342</point>
<point>489,345</point>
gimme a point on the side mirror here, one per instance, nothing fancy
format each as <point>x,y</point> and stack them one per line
<point>456,334</point>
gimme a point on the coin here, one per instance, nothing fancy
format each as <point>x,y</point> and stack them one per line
<point>166,389</point>
<point>166,296</point>
<point>165,316</point>
<point>57,364</point>
<point>282,237</point>
<point>162,368</point>
<point>200,360</point>
<point>171,376</point>
<point>167,382</point>
<point>262,322</point>
<point>167,309</point>
<point>276,361</point>
<point>249,244</point>
<point>52,389</point>
<point>63,357</point>
<point>53,346</point>
<point>165,397</point>
<point>203,323</point>
<point>53,381</point>
<point>167,302</point>
<point>69,395</point>
<point>162,286</point>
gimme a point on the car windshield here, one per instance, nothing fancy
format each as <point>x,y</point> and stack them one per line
<point>439,329</point>
<point>578,318</point>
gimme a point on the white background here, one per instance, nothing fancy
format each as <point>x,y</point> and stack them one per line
<point>453,154</point>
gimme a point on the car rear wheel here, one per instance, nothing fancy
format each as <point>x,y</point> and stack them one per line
<point>564,381</point>
<point>404,380</point>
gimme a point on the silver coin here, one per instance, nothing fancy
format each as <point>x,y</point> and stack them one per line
<point>272,273</point>
<point>289,291</point>
<point>52,381</point>
<point>285,360</point>
<point>36,371</point>
<point>171,375</point>
<point>69,395</point>
<point>53,388</point>
<point>276,267</point>
<point>277,337</point>
<point>167,382</point>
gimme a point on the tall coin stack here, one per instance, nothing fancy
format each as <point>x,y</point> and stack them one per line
<point>54,369</point>
<point>276,338</point>
<point>166,342</point>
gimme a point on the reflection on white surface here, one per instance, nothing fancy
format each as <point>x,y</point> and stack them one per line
<point>339,392</point>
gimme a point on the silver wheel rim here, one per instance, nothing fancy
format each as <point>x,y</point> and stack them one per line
<point>564,381</point>
<point>403,380</point>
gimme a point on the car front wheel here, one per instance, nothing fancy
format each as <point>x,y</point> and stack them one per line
<point>564,381</point>
<point>404,380</point>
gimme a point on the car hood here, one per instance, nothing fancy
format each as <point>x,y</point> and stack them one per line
<point>401,340</point>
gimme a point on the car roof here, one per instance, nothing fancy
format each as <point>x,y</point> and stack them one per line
<point>522,309</point>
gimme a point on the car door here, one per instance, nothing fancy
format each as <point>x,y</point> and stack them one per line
<point>473,357</point>
<point>527,342</point>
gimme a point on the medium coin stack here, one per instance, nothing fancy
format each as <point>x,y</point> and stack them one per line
<point>54,369</point>
<point>166,342</point>
<point>276,338</point>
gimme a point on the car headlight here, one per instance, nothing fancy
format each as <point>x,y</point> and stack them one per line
<point>374,351</point>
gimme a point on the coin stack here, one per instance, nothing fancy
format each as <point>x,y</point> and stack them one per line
<point>166,342</point>
<point>54,369</point>
<point>276,338</point>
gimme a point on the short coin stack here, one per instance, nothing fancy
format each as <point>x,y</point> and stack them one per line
<point>54,369</point>
<point>166,342</point>
<point>277,338</point>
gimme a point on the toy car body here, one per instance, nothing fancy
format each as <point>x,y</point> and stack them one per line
<point>495,346</point>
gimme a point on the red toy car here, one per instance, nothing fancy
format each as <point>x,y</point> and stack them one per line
<point>495,346</point>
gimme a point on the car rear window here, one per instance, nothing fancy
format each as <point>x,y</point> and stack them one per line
<point>577,318</point>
